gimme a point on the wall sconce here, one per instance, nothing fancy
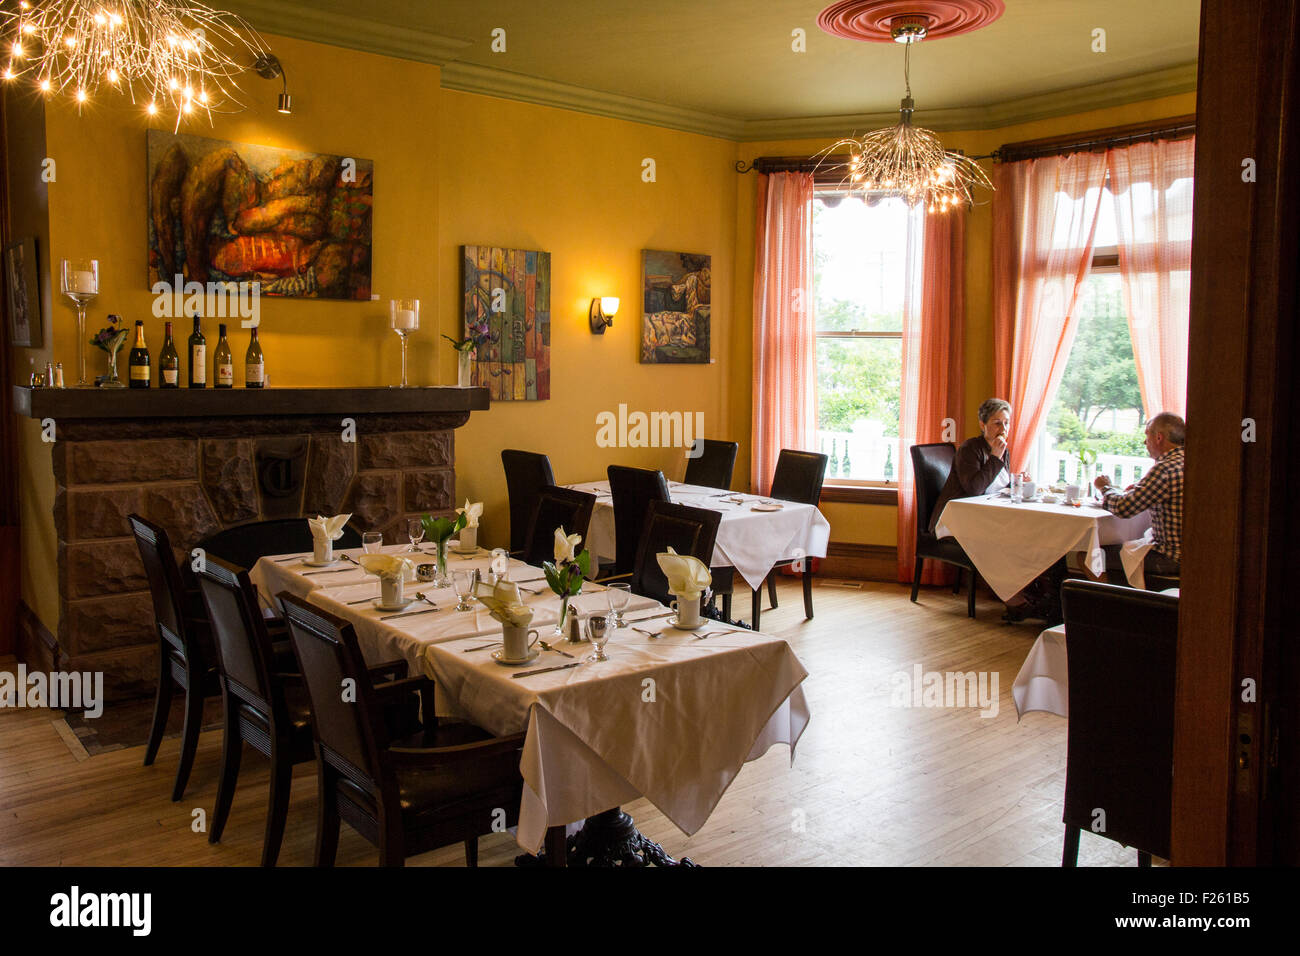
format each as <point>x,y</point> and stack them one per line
<point>602,313</point>
<point>269,67</point>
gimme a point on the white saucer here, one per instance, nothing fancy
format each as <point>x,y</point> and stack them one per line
<point>392,607</point>
<point>1049,499</point>
<point>533,654</point>
<point>313,563</point>
<point>473,550</point>
<point>672,622</point>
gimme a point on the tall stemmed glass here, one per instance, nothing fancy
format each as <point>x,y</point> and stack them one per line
<point>80,283</point>
<point>414,531</point>
<point>403,318</point>
<point>618,596</point>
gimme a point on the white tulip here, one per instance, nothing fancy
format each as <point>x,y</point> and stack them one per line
<point>565,546</point>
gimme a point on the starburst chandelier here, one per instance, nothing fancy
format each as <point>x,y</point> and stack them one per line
<point>166,55</point>
<point>905,160</point>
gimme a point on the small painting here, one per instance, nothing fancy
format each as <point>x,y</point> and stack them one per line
<point>297,222</point>
<point>24,295</point>
<point>510,290</point>
<point>675,311</point>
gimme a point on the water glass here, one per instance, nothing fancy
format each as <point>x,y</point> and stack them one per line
<point>372,542</point>
<point>1017,489</point>
<point>463,583</point>
<point>598,632</point>
<point>414,531</point>
<point>500,564</point>
<point>618,595</point>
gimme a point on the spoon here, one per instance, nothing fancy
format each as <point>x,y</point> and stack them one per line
<point>419,596</point>
<point>548,647</point>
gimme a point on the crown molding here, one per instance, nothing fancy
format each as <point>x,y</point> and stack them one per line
<point>291,19</point>
<point>1129,89</point>
<point>469,78</point>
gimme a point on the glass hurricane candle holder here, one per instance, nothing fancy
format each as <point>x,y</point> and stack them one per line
<point>404,318</point>
<point>79,281</point>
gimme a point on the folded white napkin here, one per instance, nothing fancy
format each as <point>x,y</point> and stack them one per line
<point>327,529</point>
<point>472,511</point>
<point>387,566</point>
<point>503,603</point>
<point>688,577</point>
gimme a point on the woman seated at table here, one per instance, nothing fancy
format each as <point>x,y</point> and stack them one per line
<point>983,464</point>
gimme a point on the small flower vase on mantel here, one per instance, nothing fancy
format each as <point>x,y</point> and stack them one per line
<point>464,368</point>
<point>111,380</point>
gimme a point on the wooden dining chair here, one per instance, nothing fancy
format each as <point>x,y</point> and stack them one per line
<point>186,657</point>
<point>632,490</point>
<point>243,544</point>
<point>556,508</point>
<point>527,473</point>
<point>1119,762</point>
<point>714,464</point>
<point>448,783</point>
<point>686,530</point>
<point>931,465</point>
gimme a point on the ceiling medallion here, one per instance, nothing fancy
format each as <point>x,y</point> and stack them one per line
<point>874,20</point>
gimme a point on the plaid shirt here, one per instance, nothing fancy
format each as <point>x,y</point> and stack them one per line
<point>1161,491</point>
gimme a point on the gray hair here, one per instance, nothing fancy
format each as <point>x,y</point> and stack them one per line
<point>1169,425</point>
<point>991,407</point>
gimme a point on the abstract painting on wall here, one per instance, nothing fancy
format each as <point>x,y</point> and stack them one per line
<point>675,317</point>
<point>510,290</point>
<point>230,212</point>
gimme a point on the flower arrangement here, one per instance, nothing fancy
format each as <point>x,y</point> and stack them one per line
<point>110,339</point>
<point>565,573</point>
<point>439,531</point>
<point>480,333</point>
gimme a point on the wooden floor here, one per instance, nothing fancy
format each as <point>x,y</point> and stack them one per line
<point>871,783</point>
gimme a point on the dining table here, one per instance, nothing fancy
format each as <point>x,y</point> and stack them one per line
<point>1012,543</point>
<point>672,714</point>
<point>754,535</point>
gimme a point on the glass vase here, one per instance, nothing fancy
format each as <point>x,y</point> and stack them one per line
<point>464,369</point>
<point>564,617</point>
<point>111,380</point>
<point>440,550</point>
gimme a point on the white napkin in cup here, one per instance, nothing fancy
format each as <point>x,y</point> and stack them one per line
<point>327,529</point>
<point>503,603</point>
<point>472,511</point>
<point>688,577</point>
<point>387,566</point>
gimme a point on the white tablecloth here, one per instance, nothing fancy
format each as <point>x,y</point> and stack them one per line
<point>1044,679</point>
<point>1011,544</point>
<point>750,541</point>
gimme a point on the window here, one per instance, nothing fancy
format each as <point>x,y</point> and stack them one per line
<point>863,278</point>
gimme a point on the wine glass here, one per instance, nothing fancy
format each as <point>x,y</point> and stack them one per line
<point>462,583</point>
<point>618,595</point>
<point>80,283</point>
<point>414,531</point>
<point>598,632</point>
<point>403,318</point>
<point>372,542</point>
<point>500,564</point>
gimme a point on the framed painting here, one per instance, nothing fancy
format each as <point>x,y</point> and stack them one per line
<point>510,291</point>
<point>299,223</point>
<point>675,308</point>
<point>23,289</point>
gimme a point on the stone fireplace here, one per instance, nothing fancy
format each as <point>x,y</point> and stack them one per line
<point>199,462</point>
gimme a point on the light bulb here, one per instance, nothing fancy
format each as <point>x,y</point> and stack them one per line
<point>152,109</point>
<point>45,86</point>
<point>81,96</point>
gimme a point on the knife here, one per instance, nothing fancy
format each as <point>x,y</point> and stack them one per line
<point>653,617</point>
<point>330,571</point>
<point>546,670</point>
<point>410,613</point>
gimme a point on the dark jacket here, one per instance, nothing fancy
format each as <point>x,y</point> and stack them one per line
<point>973,470</point>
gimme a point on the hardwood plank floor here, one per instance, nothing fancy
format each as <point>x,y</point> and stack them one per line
<point>871,783</point>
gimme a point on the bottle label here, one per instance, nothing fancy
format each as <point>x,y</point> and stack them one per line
<point>225,374</point>
<point>139,373</point>
<point>199,362</point>
<point>253,374</point>
<point>170,376</point>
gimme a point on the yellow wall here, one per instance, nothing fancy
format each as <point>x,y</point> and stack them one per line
<point>533,177</point>
<point>877,524</point>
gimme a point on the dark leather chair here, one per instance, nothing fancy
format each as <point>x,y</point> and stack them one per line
<point>527,473</point>
<point>686,530</point>
<point>1120,752</point>
<point>798,477</point>
<point>931,465</point>
<point>186,656</point>
<point>632,490</point>
<point>243,544</point>
<point>406,796</point>
<point>556,508</point>
<point>715,465</point>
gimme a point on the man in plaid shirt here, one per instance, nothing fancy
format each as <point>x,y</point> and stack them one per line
<point>1160,491</point>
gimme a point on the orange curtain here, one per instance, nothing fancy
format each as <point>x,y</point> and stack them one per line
<point>930,406</point>
<point>1044,220</point>
<point>785,414</point>
<point>1153,220</point>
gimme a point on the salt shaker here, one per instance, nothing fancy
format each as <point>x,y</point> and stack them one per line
<point>49,374</point>
<point>58,375</point>
<point>573,627</point>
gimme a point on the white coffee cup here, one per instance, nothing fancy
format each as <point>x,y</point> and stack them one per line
<point>1073,493</point>
<point>1028,489</point>
<point>468,538</point>
<point>322,550</point>
<point>516,642</point>
<point>688,611</point>
<point>391,591</point>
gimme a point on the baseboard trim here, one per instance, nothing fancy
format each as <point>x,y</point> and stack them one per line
<point>35,645</point>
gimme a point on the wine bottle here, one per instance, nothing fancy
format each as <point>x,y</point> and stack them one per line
<point>169,361</point>
<point>198,357</point>
<point>254,364</point>
<point>139,361</point>
<point>224,361</point>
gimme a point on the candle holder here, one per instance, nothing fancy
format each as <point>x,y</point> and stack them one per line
<point>403,318</point>
<point>80,283</point>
